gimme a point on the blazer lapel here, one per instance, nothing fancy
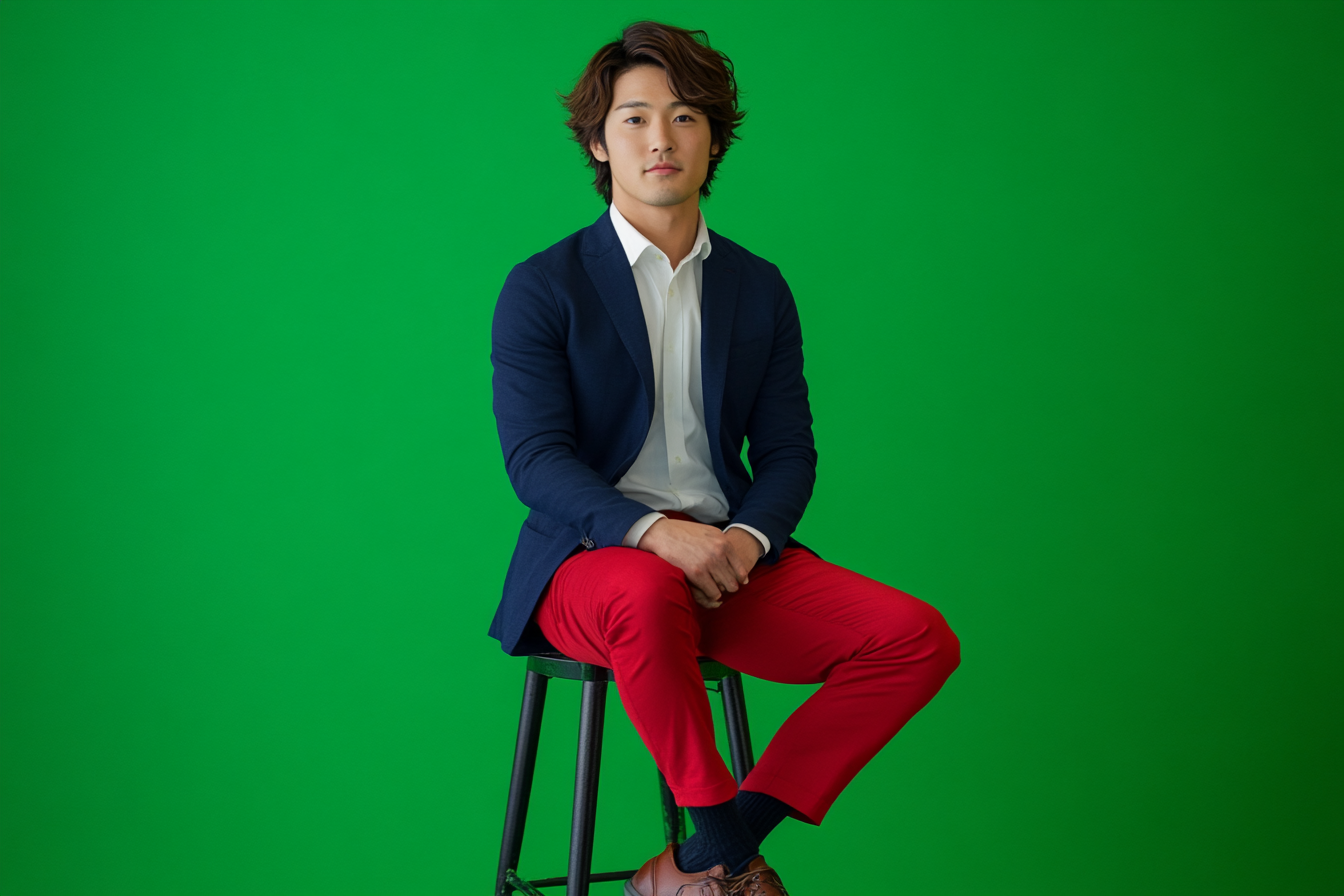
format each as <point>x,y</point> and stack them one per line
<point>718,308</point>
<point>604,260</point>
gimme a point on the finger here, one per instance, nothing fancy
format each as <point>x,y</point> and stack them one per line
<point>706,583</point>
<point>741,567</point>
<point>704,600</point>
<point>725,576</point>
<point>742,564</point>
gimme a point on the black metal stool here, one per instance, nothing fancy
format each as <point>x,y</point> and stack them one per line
<point>540,670</point>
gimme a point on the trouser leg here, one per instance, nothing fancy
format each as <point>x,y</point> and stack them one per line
<point>881,653</point>
<point>631,611</point>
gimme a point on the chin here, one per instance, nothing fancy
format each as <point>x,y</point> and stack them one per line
<point>664,198</point>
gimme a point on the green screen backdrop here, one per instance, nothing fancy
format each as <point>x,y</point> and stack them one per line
<point>1071,280</point>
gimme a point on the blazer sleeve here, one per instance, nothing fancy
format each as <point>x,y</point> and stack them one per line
<point>780,447</point>
<point>534,412</point>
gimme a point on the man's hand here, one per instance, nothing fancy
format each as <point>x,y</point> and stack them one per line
<point>714,562</point>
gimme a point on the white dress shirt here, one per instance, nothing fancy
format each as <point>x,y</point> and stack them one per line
<point>674,469</point>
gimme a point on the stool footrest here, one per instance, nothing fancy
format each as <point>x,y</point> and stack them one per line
<point>529,886</point>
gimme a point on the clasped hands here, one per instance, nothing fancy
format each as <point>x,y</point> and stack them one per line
<point>715,562</point>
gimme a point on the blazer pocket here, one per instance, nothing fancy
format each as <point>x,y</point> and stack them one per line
<point>543,525</point>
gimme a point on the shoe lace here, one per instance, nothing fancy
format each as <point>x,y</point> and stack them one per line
<point>748,883</point>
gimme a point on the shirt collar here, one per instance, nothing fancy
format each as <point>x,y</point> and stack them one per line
<point>635,243</point>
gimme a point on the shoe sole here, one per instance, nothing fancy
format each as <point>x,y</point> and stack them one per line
<point>630,888</point>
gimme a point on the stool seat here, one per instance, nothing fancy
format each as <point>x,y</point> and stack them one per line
<point>557,665</point>
<point>541,668</point>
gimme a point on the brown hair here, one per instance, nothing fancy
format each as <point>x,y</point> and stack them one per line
<point>697,74</point>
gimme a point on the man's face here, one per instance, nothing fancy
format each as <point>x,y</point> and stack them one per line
<point>659,147</point>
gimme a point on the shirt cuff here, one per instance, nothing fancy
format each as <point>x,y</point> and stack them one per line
<point>760,536</point>
<point>641,526</point>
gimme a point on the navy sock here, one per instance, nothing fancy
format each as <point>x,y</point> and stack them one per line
<point>761,812</point>
<point>721,837</point>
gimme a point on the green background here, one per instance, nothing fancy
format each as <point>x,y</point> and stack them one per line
<point>1070,276</point>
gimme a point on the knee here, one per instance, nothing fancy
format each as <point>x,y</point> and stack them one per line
<point>940,643</point>
<point>919,631</point>
<point>946,644</point>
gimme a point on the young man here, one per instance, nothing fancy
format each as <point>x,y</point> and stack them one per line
<point>631,360</point>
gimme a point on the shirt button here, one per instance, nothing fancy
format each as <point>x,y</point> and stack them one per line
<point>678,458</point>
<point>671,293</point>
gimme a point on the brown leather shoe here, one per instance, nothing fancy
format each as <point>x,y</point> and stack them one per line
<point>758,880</point>
<point>660,876</point>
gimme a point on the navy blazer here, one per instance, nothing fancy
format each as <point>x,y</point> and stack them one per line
<point>573,399</point>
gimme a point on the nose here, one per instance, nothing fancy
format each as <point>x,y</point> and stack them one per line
<point>660,137</point>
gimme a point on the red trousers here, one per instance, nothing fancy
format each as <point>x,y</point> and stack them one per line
<point>881,653</point>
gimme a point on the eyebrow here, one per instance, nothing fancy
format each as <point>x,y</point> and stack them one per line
<point>640,104</point>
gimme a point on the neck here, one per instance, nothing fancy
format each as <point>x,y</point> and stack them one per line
<point>671,228</point>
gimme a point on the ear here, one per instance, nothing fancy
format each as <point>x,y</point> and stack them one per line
<point>598,151</point>
<point>713,151</point>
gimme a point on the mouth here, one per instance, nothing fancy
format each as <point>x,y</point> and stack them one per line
<point>662,169</point>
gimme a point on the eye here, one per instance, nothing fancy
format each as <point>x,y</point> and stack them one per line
<point>633,118</point>
<point>679,117</point>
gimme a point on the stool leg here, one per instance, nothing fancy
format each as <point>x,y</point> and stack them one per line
<point>674,817</point>
<point>591,712</point>
<point>520,783</point>
<point>739,735</point>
